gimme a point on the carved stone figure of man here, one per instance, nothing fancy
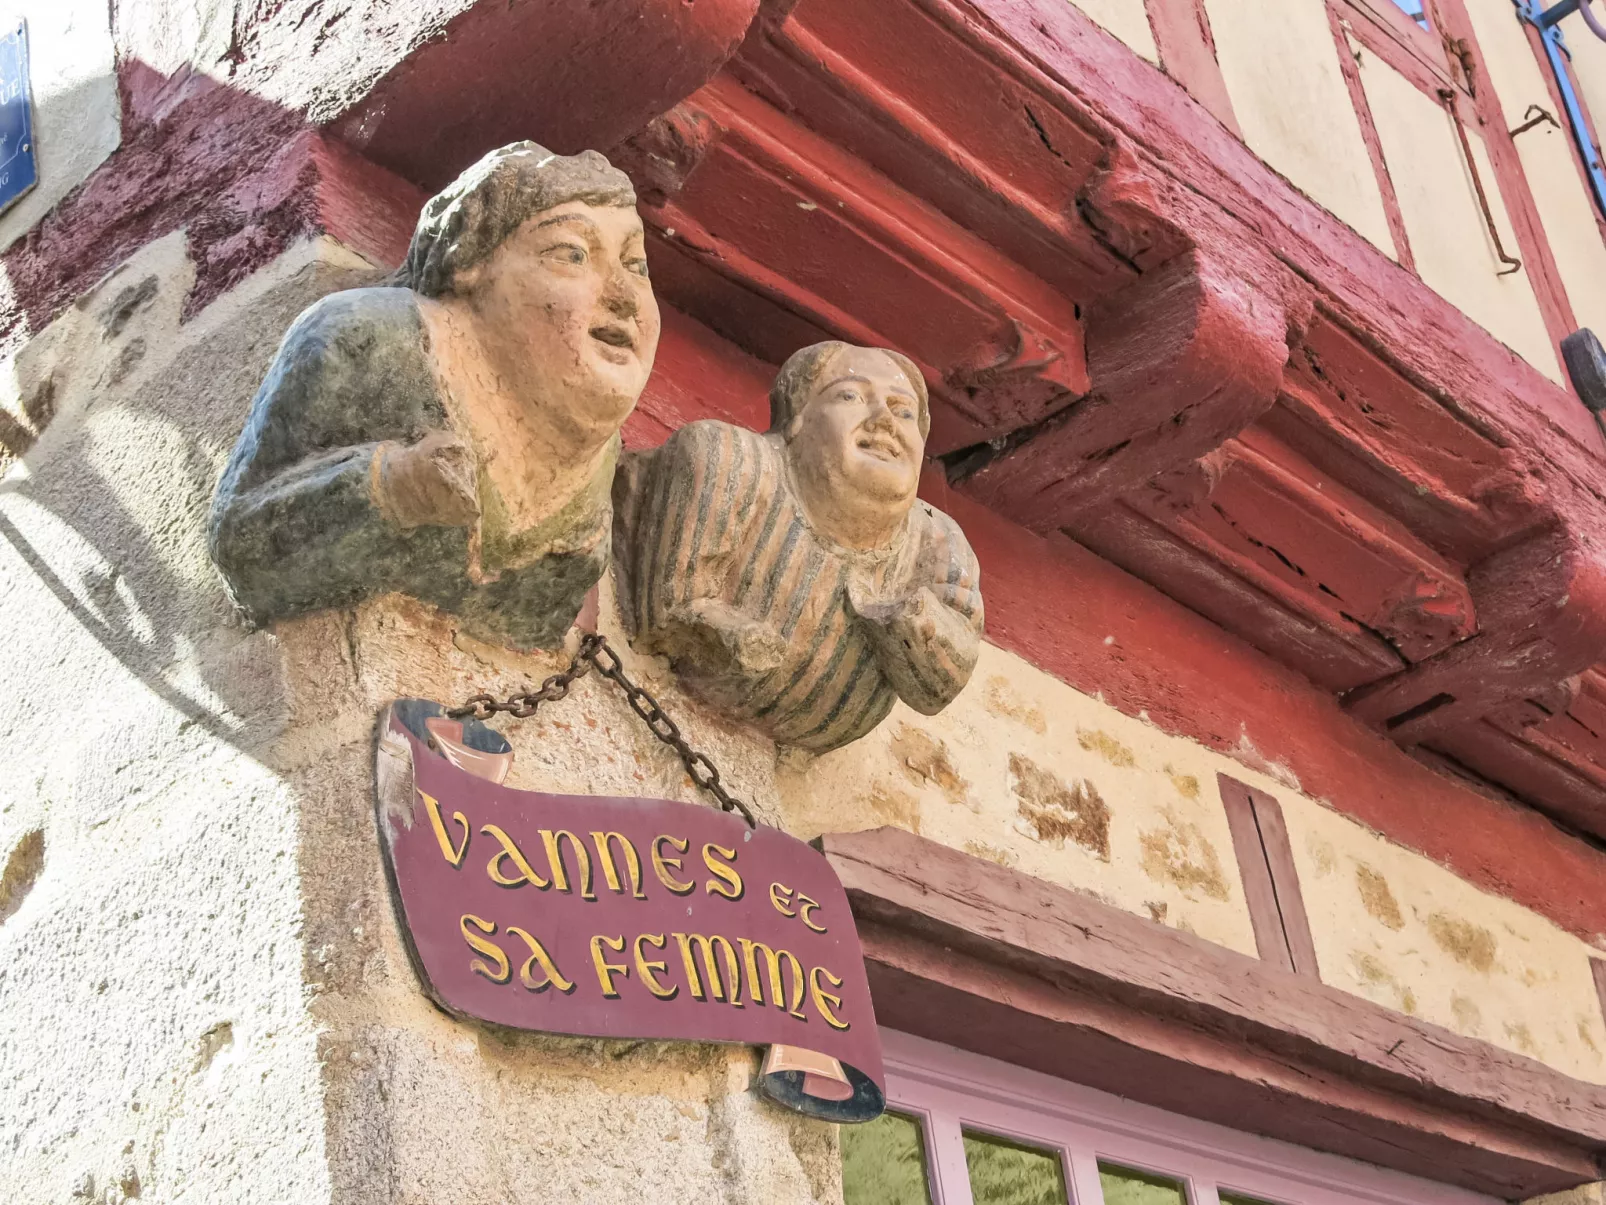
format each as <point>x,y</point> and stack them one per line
<point>455,438</point>
<point>793,578</point>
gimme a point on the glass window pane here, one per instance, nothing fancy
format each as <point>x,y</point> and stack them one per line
<point>1127,1186</point>
<point>884,1162</point>
<point>1414,10</point>
<point>1237,1198</point>
<point>1002,1173</point>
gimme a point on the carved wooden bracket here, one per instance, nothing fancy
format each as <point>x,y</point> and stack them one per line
<point>1542,619</point>
<point>742,196</point>
<point>1180,361</point>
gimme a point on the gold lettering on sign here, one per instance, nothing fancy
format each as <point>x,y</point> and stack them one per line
<point>707,947</point>
<point>729,882</point>
<point>607,970</point>
<point>610,872</point>
<point>781,896</point>
<point>772,960</point>
<point>550,975</point>
<point>661,865</point>
<point>554,857</point>
<point>806,905</point>
<point>819,995</point>
<point>479,945</point>
<point>512,853</point>
<point>645,967</point>
<point>451,854</point>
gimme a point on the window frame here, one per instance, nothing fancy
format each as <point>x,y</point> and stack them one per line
<point>949,1091</point>
<point>1431,60</point>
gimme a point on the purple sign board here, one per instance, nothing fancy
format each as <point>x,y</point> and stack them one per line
<point>621,918</point>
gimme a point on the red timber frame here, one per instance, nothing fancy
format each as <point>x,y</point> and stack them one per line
<point>1223,462</point>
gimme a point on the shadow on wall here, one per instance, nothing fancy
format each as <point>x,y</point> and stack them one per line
<point>129,393</point>
<point>198,155</point>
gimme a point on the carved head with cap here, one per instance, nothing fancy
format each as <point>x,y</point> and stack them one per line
<point>547,254</point>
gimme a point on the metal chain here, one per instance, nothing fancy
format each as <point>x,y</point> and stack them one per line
<point>596,654</point>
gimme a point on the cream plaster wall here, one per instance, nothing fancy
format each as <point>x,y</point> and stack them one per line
<point>1028,773</point>
<point>1408,934</point>
<point>1282,70</point>
<point>203,995</point>
<point>1388,923</point>
<point>1443,220</point>
<point>76,111</point>
<point>1127,20</point>
<point>1565,208</point>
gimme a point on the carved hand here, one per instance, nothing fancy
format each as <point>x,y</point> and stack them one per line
<point>911,635</point>
<point>428,483</point>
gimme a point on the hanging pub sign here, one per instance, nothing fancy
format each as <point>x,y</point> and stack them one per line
<point>621,918</point>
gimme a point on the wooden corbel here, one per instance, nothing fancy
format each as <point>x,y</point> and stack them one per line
<point>1541,607</point>
<point>1181,360</point>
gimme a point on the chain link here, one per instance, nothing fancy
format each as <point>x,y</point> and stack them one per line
<point>595,653</point>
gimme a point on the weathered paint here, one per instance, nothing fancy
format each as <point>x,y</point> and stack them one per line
<point>1288,93</point>
<point>1548,157</point>
<point>1449,237</point>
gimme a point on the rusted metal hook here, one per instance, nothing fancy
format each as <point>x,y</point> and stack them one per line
<point>1513,264</point>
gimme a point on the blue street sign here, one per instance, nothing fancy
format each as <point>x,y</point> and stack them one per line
<point>19,164</point>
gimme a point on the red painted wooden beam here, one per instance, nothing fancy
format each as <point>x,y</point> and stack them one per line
<point>570,75</point>
<point>745,193</point>
<point>1272,548</point>
<point>1179,361</point>
<point>1542,618</point>
<point>244,179</point>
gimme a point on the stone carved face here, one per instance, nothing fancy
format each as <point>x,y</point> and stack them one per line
<point>566,299</point>
<point>856,447</point>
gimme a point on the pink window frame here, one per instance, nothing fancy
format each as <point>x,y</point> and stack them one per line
<point>951,1091</point>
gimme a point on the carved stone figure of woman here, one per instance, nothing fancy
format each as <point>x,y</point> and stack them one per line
<point>793,578</point>
<point>453,436</point>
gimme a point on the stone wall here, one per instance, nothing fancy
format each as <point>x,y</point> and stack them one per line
<point>205,994</point>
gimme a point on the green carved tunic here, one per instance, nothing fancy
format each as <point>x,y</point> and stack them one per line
<point>295,528</point>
